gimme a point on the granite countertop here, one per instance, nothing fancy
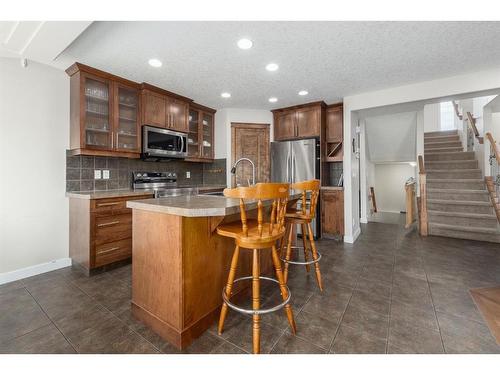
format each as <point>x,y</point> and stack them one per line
<point>332,188</point>
<point>127,192</point>
<point>196,205</point>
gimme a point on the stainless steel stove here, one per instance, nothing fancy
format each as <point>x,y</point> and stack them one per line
<point>163,184</point>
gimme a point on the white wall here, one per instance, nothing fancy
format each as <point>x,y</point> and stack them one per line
<point>223,120</point>
<point>445,88</point>
<point>432,117</point>
<point>34,134</point>
<point>389,186</point>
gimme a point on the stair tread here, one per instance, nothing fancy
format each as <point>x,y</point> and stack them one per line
<point>462,214</point>
<point>455,202</point>
<point>457,170</point>
<point>448,161</point>
<point>466,229</point>
<point>457,191</point>
<point>455,179</point>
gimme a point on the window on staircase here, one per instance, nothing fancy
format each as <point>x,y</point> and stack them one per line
<point>447,120</point>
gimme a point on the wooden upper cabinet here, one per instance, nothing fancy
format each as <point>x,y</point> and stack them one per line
<point>285,125</point>
<point>104,113</point>
<point>334,123</point>
<point>308,122</point>
<point>177,115</point>
<point>302,121</point>
<point>200,133</point>
<point>154,109</point>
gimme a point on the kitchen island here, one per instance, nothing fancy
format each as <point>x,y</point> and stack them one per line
<point>180,264</point>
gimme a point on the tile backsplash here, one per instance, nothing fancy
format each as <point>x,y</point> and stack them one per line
<point>80,172</point>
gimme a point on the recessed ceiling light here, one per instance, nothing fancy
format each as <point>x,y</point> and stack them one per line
<point>303,92</point>
<point>225,95</point>
<point>155,63</point>
<point>245,43</point>
<point>273,100</point>
<point>272,67</point>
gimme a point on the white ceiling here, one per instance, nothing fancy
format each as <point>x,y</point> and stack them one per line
<point>329,59</point>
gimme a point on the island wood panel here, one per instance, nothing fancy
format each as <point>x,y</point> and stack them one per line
<point>79,232</point>
<point>332,213</point>
<point>179,268</point>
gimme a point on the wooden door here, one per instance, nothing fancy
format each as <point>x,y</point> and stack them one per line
<point>250,141</point>
<point>332,212</point>
<point>284,125</point>
<point>308,122</point>
<point>96,104</point>
<point>334,124</point>
<point>126,119</point>
<point>177,115</point>
<point>155,109</point>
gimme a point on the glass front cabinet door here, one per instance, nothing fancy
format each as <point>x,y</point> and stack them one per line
<point>194,134</point>
<point>97,112</point>
<point>208,136</point>
<point>126,129</point>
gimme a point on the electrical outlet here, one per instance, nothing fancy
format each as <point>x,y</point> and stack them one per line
<point>97,174</point>
<point>105,174</point>
<point>188,174</point>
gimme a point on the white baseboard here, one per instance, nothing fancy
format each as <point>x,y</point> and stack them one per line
<point>354,237</point>
<point>37,269</point>
<point>363,220</point>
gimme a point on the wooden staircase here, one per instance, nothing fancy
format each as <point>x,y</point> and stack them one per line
<point>458,203</point>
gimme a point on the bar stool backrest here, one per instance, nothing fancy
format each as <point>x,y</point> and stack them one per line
<point>279,194</point>
<point>311,188</point>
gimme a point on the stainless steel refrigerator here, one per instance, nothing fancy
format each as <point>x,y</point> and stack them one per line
<point>294,161</point>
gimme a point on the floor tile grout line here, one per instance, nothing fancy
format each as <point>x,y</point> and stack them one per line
<point>53,323</point>
<point>342,316</point>
<point>434,308</point>
<point>390,300</point>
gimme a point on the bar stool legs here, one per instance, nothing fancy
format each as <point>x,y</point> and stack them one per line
<point>256,301</point>
<point>283,289</point>
<point>304,242</point>
<point>315,257</point>
<point>229,287</point>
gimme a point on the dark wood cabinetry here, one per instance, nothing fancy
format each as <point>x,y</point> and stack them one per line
<point>334,134</point>
<point>100,231</point>
<point>302,121</point>
<point>104,113</point>
<point>332,213</point>
<point>200,133</point>
<point>160,108</point>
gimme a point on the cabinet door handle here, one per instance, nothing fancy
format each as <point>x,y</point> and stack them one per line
<point>112,139</point>
<point>107,204</point>
<point>108,250</point>
<point>116,145</point>
<point>108,224</point>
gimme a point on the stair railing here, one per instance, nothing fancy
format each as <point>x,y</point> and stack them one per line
<point>410,201</point>
<point>472,126</point>
<point>422,200</point>
<point>457,112</point>
<point>493,180</point>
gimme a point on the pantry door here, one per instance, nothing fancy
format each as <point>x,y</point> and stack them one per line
<point>250,141</point>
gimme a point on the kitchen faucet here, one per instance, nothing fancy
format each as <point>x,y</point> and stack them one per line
<point>233,169</point>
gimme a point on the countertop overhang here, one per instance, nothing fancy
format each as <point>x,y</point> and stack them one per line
<point>197,205</point>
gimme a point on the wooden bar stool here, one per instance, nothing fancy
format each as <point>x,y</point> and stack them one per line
<point>257,235</point>
<point>303,217</point>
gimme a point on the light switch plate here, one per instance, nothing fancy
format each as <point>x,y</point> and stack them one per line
<point>97,174</point>
<point>188,174</point>
<point>105,174</point>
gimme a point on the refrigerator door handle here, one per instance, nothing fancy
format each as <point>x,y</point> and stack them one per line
<point>288,168</point>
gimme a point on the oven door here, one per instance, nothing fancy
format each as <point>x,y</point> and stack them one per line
<point>163,143</point>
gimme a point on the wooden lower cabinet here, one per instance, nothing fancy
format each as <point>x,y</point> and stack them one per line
<point>332,213</point>
<point>100,231</point>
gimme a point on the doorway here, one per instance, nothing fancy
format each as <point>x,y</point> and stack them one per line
<point>249,140</point>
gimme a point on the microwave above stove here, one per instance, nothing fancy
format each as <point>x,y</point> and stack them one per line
<point>160,143</point>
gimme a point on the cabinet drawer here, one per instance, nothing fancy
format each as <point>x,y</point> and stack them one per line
<point>113,251</point>
<point>112,228</point>
<point>113,206</point>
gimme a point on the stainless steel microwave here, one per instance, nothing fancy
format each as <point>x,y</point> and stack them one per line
<point>158,143</point>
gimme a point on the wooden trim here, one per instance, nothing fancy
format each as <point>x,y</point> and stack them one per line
<point>89,152</point>
<point>250,125</point>
<point>159,90</point>
<point>493,144</point>
<point>199,107</point>
<point>319,103</point>
<point>334,105</point>
<point>424,225</point>
<point>76,67</point>
<point>410,204</point>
